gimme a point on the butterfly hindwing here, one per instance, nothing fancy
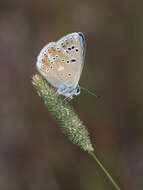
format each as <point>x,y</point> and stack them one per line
<point>61,62</point>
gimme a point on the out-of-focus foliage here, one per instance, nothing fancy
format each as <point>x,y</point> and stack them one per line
<point>34,154</point>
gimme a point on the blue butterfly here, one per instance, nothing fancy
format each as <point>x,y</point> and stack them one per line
<point>61,63</point>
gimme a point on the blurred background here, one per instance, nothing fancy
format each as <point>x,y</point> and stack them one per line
<point>34,154</point>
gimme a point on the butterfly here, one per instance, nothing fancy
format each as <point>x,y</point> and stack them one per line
<point>61,63</point>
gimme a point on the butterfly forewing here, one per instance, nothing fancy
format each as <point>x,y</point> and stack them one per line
<point>61,62</point>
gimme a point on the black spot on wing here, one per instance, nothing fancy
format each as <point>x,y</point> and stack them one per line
<point>73,60</point>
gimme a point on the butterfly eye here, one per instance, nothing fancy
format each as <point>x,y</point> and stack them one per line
<point>77,90</point>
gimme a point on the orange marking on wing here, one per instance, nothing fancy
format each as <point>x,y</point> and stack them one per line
<point>53,52</point>
<point>43,61</point>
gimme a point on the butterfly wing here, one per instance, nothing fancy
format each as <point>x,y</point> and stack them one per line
<point>47,62</point>
<point>61,62</point>
<point>83,48</point>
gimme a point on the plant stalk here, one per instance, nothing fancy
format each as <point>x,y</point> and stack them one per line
<point>104,170</point>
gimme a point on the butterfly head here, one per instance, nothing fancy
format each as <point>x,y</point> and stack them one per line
<point>69,91</point>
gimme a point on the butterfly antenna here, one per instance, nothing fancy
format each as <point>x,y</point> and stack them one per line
<point>90,92</point>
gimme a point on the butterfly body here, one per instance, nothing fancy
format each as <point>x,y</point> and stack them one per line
<point>61,63</point>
